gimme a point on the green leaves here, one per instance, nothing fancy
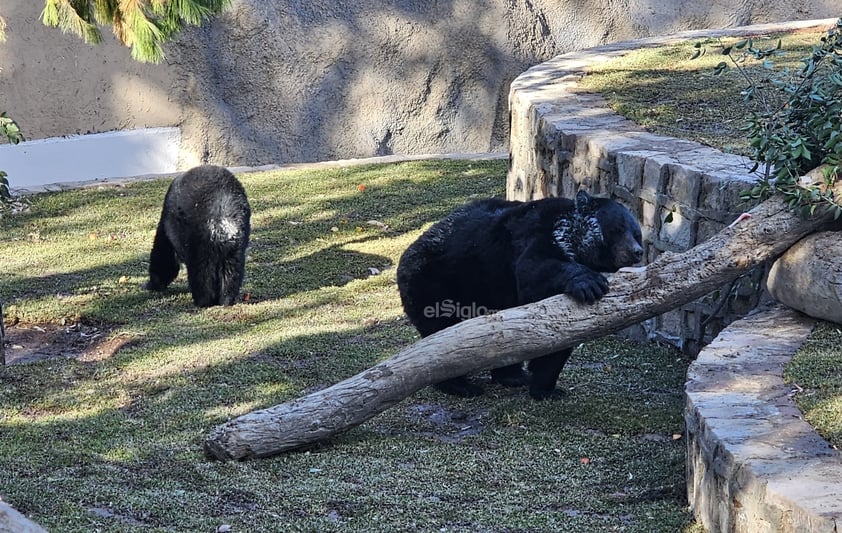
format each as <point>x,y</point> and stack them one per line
<point>71,18</point>
<point>720,68</point>
<point>10,130</point>
<point>798,148</point>
<point>698,52</point>
<point>800,124</point>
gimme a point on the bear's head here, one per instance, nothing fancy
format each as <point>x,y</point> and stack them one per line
<point>600,234</point>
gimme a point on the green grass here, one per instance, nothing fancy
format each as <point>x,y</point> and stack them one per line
<point>114,442</point>
<point>816,372</point>
<point>667,93</point>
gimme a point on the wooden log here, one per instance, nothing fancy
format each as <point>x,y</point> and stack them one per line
<point>12,521</point>
<point>808,277</point>
<point>516,334</point>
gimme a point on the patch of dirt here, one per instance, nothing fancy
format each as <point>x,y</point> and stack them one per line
<point>444,424</point>
<point>28,343</point>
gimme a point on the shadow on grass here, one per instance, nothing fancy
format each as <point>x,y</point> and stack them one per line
<point>126,435</point>
<point>315,235</point>
<point>117,441</point>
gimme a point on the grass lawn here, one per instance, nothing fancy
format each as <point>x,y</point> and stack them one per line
<point>667,93</point>
<point>112,390</point>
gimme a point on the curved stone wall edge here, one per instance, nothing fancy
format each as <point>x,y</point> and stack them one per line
<point>543,100</point>
<point>682,192</point>
<point>753,464</point>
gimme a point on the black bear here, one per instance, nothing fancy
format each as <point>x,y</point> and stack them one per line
<point>494,254</point>
<point>205,224</point>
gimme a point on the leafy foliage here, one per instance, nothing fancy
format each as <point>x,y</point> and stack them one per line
<point>10,130</point>
<point>142,25</point>
<point>799,125</point>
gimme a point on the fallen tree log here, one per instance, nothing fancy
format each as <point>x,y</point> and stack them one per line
<point>12,521</point>
<point>2,338</point>
<point>517,334</point>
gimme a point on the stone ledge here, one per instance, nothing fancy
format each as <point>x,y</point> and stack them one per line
<point>543,100</point>
<point>681,192</point>
<point>753,464</point>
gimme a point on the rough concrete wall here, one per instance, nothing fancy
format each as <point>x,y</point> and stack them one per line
<point>54,84</point>
<point>274,82</point>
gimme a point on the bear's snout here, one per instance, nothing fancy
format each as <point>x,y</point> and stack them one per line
<point>627,253</point>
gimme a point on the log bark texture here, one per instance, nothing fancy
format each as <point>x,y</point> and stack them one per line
<point>516,334</point>
<point>12,521</point>
<point>808,277</point>
<point>2,338</point>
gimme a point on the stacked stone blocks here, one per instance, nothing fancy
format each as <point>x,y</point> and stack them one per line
<point>681,192</point>
<point>753,464</point>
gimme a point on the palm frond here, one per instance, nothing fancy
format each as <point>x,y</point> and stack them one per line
<point>71,17</point>
<point>142,25</point>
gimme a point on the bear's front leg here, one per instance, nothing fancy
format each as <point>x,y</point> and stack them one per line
<point>545,371</point>
<point>537,280</point>
<point>582,284</point>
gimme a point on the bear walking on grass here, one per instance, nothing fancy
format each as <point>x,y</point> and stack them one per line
<point>205,224</point>
<point>494,254</point>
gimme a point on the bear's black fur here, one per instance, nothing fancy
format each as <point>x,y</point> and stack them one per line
<point>205,224</point>
<point>494,254</point>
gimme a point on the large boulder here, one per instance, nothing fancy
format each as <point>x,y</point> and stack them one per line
<point>808,277</point>
<point>274,82</point>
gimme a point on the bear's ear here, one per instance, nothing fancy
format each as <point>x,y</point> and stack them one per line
<point>582,201</point>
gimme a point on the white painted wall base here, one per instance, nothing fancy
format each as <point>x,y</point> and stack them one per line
<point>33,164</point>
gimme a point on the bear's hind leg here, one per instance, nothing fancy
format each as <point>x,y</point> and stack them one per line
<point>163,263</point>
<point>459,386</point>
<point>545,371</point>
<point>510,376</point>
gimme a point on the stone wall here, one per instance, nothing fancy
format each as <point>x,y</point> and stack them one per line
<point>753,464</point>
<point>282,82</point>
<point>680,191</point>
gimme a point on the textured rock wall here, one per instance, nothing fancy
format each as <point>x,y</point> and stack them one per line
<point>276,82</point>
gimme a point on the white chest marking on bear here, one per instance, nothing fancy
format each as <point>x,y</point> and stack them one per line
<point>573,235</point>
<point>223,229</point>
<point>562,234</point>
